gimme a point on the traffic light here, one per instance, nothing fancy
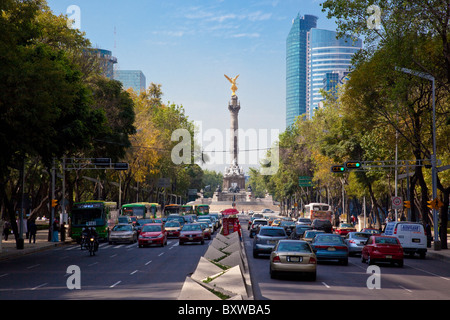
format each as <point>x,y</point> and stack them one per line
<point>353,164</point>
<point>338,169</point>
<point>407,204</point>
<point>54,203</point>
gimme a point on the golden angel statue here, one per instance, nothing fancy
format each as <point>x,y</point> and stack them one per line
<point>234,88</point>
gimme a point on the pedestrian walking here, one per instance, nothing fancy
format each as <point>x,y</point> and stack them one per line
<point>55,230</point>
<point>32,229</point>
<point>6,230</point>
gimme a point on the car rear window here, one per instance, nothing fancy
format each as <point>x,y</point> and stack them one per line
<point>386,240</point>
<point>362,235</point>
<point>151,228</point>
<point>298,247</point>
<point>272,232</point>
<point>328,239</point>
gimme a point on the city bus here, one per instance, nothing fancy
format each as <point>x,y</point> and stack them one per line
<point>141,210</point>
<point>171,209</point>
<point>186,209</point>
<point>90,214</point>
<point>318,211</point>
<point>202,209</point>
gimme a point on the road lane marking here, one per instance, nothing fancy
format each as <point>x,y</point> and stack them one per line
<point>115,284</point>
<point>326,286</point>
<point>159,255</point>
<point>7,274</point>
<point>148,263</point>
<point>92,264</point>
<point>405,289</point>
<point>40,286</point>
<point>133,272</point>
<point>113,255</point>
<point>33,266</point>
<point>433,274</point>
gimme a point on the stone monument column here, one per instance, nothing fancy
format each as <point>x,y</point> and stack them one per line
<point>234,107</point>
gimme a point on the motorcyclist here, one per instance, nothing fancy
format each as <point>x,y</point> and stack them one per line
<point>93,234</point>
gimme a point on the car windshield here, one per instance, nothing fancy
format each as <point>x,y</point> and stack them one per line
<point>151,229</point>
<point>172,224</point>
<point>328,239</point>
<point>287,223</point>
<point>386,240</point>
<point>294,246</point>
<point>125,227</point>
<point>311,234</point>
<point>272,232</point>
<point>192,227</point>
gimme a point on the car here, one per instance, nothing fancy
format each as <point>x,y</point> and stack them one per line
<point>192,232</point>
<point>372,231</point>
<point>411,235</point>
<point>258,215</point>
<point>153,233</point>
<point>382,249</point>
<point>293,256</point>
<point>304,221</point>
<point>267,211</point>
<point>322,224</point>
<point>173,228</point>
<point>355,241</point>
<point>124,220</point>
<point>214,220</point>
<point>344,228</point>
<point>330,247</point>
<point>176,217</point>
<point>209,221</point>
<point>299,231</point>
<point>310,234</point>
<point>206,229</point>
<point>288,226</point>
<point>140,223</point>
<point>276,222</point>
<point>122,233</point>
<point>266,239</point>
<point>218,217</point>
<point>256,224</point>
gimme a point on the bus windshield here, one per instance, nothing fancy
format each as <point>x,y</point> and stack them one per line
<point>134,211</point>
<point>88,217</point>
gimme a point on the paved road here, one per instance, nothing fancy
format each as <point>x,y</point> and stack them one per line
<point>419,279</point>
<point>116,272</point>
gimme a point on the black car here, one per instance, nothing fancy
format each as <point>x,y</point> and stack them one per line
<point>299,231</point>
<point>288,226</point>
<point>322,224</point>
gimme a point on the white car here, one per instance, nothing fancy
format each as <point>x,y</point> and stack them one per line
<point>411,235</point>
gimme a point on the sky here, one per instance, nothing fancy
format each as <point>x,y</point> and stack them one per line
<point>188,46</point>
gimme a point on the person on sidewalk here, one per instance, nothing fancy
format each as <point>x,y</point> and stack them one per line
<point>55,230</point>
<point>32,229</point>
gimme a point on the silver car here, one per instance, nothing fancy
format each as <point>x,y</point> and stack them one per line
<point>123,233</point>
<point>267,238</point>
<point>355,241</point>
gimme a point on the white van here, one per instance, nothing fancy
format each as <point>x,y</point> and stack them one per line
<point>411,236</point>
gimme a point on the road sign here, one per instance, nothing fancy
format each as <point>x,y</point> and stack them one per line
<point>305,182</point>
<point>397,203</point>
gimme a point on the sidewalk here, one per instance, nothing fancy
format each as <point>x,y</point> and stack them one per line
<point>9,249</point>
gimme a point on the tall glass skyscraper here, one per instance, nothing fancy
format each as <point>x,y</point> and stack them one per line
<point>296,66</point>
<point>311,54</point>
<point>327,56</point>
<point>134,79</point>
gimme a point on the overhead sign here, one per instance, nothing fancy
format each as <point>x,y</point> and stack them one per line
<point>305,182</point>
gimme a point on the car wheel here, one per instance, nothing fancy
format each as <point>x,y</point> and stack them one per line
<point>370,261</point>
<point>273,275</point>
<point>202,242</point>
<point>363,260</point>
<point>313,276</point>
<point>344,262</point>
<point>255,254</point>
<point>400,263</point>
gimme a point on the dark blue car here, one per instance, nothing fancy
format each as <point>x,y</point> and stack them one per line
<point>330,247</point>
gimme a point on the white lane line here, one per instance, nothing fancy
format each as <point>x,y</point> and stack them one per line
<point>133,272</point>
<point>326,286</point>
<point>92,264</point>
<point>113,255</point>
<point>159,255</point>
<point>115,284</point>
<point>433,274</point>
<point>148,263</point>
<point>39,286</point>
<point>33,266</point>
<point>7,274</point>
<point>405,289</point>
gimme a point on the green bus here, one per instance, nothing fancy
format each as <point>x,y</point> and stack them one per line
<point>202,209</point>
<point>186,209</point>
<point>90,214</point>
<point>141,210</point>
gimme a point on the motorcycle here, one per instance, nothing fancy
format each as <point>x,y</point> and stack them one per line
<point>92,246</point>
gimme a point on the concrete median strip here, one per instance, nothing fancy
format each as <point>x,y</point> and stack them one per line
<point>222,273</point>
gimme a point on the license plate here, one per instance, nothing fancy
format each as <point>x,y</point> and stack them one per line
<point>416,240</point>
<point>272,241</point>
<point>190,238</point>
<point>388,257</point>
<point>295,259</point>
<point>331,249</point>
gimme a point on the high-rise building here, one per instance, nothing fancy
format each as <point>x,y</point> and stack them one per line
<point>327,57</point>
<point>106,60</point>
<point>134,79</point>
<point>311,53</point>
<point>296,66</point>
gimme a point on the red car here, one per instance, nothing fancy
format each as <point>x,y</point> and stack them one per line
<point>192,232</point>
<point>206,230</point>
<point>344,229</point>
<point>152,233</point>
<point>382,249</point>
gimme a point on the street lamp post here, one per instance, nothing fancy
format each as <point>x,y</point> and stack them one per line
<point>437,244</point>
